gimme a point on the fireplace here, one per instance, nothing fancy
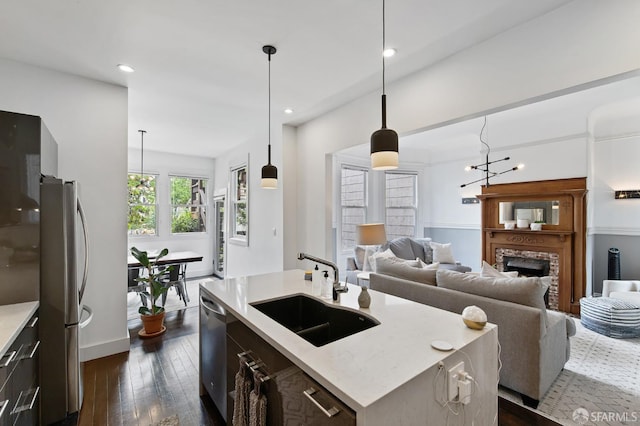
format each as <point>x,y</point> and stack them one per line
<point>558,250</point>
<point>533,264</point>
<point>525,266</point>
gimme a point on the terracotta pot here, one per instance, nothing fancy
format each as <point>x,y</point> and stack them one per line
<point>152,323</point>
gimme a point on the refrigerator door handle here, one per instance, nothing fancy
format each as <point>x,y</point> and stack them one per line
<point>86,322</point>
<point>85,232</point>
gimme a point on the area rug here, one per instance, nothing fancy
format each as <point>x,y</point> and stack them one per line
<point>169,421</point>
<point>600,384</point>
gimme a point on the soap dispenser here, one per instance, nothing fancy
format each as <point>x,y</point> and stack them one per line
<point>316,282</point>
<point>327,285</point>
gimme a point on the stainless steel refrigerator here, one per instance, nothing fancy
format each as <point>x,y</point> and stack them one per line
<point>43,255</point>
<point>62,284</point>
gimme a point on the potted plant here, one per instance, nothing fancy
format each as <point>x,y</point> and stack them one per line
<point>537,225</point>
<point>153,317</point>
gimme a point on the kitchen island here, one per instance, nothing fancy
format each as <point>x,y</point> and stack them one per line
<point>387,374</point>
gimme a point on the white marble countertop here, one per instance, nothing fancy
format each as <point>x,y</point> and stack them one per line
<point>361,368</point>
<point>13,318</point>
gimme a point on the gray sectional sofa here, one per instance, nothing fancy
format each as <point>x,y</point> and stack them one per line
<point>534,341</point>
<point>404,248</point>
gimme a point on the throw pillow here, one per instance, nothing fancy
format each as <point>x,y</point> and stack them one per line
<point>527,291</point>
<point>406,269</point>
<point>374,258</point>
<point>402,248</point>
<point>423,265</point>
<point>442,253</point>
<point>364,262</point>
<point>489,271</point>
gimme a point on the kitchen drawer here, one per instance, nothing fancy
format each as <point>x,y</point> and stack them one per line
<point>293,397</point>
<point>19,393</point>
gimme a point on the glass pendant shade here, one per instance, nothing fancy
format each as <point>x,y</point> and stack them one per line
<point>269,177</point>
<point>384,144</point>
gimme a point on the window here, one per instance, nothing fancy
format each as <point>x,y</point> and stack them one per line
<point>188,204</point>
<point>353,203</point>
<point>401,203</point>
<point>142,204</point>
<point>240,205</point>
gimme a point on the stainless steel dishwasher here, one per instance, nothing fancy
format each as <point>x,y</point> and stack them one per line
<point>213,350</point>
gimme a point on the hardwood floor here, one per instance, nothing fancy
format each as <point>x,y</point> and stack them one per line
<point>158,378</point>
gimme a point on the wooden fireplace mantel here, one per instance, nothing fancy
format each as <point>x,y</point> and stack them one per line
<point>564,242</point>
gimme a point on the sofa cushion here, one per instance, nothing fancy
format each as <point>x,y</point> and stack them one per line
<point>442,253</point>
<point>426,247</point>
<point>402,248</point>
<point>407,269</point>
<point>527,291</point>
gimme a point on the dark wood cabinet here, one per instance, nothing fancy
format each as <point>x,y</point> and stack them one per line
<point>19,390</point>
<point>293,396</point>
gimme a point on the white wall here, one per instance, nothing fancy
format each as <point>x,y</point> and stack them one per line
<point>165,165</point>
<point>616,156</point>
<point>551,53</point>
<point>88,119</point>
<point>264,252</point>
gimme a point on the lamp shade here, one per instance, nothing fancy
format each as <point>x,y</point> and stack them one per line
<point>269,177</point>
<point>371,234</point>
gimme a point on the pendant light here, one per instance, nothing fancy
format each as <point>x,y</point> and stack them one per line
<point>143,182</point>
<point>384,142</point>
<point>269,172</point>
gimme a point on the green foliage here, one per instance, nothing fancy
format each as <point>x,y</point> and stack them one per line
<point>142,200</point>
<point>152,280</point>
<point>184,222</point>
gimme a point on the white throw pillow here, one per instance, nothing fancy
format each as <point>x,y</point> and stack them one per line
<point>372,259</point>
<point>442,253</point>
<point>489,271</point>
<point>433,266</point>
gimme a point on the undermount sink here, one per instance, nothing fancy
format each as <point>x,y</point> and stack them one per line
<point>315,321</point>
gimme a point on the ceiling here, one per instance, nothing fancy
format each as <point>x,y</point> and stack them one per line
<point>200,80</point>
<point>610,106</point>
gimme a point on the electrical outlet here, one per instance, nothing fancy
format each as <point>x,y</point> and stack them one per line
<point>452,381</point>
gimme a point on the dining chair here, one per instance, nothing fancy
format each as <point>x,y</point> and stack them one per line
<point>134,286</point>
<point>176,278</point>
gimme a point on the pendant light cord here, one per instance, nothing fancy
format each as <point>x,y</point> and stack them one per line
<point>383,46</point>
<point>269,162</point>
<point>482,130</point>
<point>142,132</point>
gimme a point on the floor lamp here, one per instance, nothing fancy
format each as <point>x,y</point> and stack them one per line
<point>369,235</point>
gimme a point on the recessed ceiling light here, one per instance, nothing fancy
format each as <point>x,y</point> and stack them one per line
<point>288,111</point>
<point>125,68</point>
<point>387,53</point>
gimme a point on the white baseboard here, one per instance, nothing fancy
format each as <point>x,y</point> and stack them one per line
<point>100,350</point>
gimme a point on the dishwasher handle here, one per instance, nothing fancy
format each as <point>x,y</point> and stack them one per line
<point>212,307</point>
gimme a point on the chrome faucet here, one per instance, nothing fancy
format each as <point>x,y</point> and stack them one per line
<point>337,288</point>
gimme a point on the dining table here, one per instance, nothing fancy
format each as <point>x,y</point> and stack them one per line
<point>171,258</point>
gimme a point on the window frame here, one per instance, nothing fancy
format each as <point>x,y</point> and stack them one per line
<point>414,207</point>
<point>155,205</point>
<point>203,206</point>
<point>365,207</point>
<point>235,200</point>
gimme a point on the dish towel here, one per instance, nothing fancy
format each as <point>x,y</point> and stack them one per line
<point>257,402</point>
<point>243,388</point>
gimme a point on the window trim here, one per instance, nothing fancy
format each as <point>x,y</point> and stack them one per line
<point>416,203</point>
<point>234,238</point>
<point>204,205</point>
<point>365,207</point>
<point>155,205</point>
